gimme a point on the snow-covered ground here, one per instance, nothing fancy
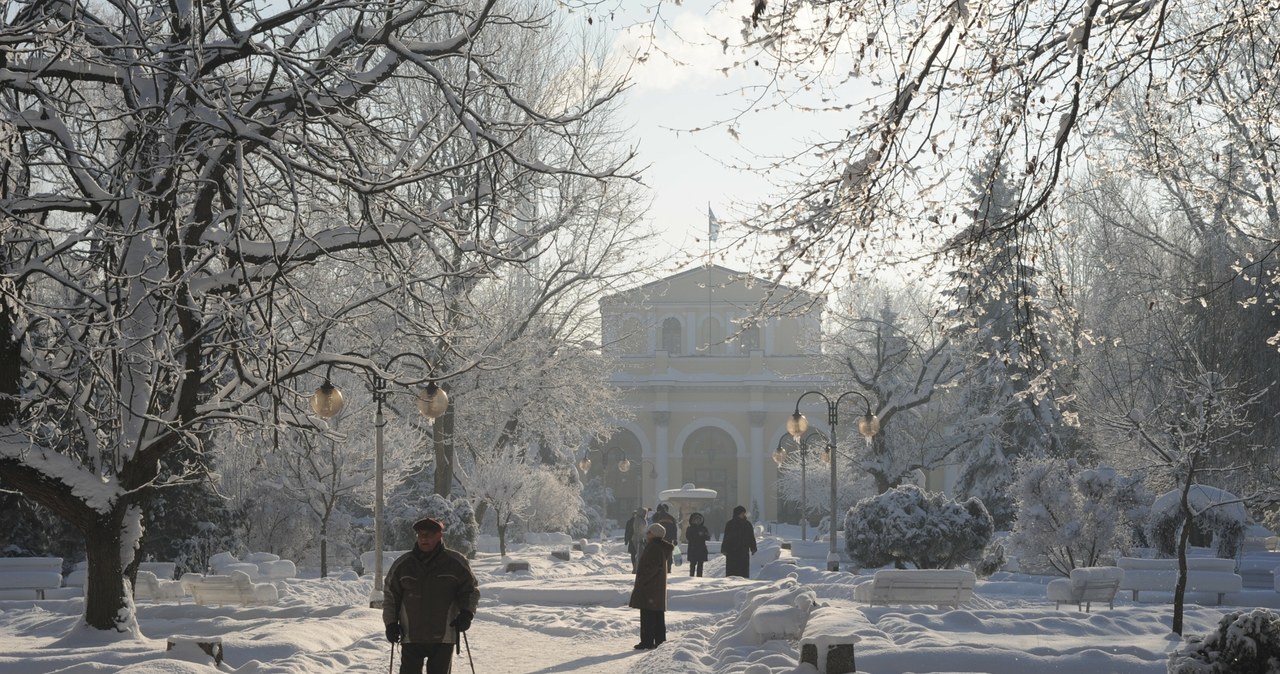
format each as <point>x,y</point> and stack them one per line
<point>571,617</point>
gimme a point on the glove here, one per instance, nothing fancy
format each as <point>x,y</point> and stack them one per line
<point>393,633</point>
<point>463,622</point>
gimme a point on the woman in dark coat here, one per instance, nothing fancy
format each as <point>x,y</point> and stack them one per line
<point>738,544</point>
<point>697,536</point>
<point>650,591</point>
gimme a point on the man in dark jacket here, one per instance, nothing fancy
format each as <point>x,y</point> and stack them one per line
<point>738,544</point>
<point>650,591</point>
<point>429,597</point>
<point>669,525</point>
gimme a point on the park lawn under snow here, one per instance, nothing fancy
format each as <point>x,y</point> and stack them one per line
<point>571,617</point>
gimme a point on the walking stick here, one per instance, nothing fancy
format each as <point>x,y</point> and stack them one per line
<point>469,660</point>
<point>391,669</point>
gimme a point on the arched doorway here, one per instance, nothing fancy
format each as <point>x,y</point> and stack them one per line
<point>711,462</point>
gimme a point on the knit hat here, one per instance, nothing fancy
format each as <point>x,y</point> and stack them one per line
<point>657,530</point>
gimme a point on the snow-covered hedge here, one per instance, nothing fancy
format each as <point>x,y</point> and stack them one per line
<point>1218,511</point>
<point>1070,516</point>
<point>1244,643</point>
<point>907,525</point>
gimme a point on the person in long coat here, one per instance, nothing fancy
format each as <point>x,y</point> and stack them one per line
<point>738,544</point>
<point>697,536</point>
<point>635,543</point>
<point>650,591</point>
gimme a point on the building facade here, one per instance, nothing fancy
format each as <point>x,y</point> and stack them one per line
<point>711,388</point>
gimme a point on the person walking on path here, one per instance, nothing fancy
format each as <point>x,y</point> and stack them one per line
<point>428,599</point>
<point>738,544</point>
<point>650,591</point>
<point>635,535</point>
<point>697,536</point>
<point>669,525</point>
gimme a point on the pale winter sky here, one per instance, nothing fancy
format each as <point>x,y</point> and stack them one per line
<point>670,100</point>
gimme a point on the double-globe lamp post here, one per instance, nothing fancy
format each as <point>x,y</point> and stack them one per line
<point>624,465</point>
<point>780,457</point>
<point>432,402</point>
<point>798,425</point>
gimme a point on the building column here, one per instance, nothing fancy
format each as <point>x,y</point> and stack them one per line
<point>661,422</point>
<point>757,462</point>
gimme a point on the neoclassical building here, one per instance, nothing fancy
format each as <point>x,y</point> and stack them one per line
<point>710,388</point>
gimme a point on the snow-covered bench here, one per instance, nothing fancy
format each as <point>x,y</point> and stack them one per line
<point>1204,574</point>
<point>828,641</point>
<point>234,588</point>
<point>1085,586</point>
<point>258,565</point>
<point>29,577</point>
<point>162,570</point>
<point>938,587</point>
<point>149,587</point>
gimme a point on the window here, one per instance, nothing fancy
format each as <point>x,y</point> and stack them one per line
<point>671,336</point>
<point>749,339</point>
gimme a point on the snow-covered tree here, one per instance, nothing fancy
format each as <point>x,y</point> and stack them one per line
<point>1070,516</point>
<point>519,490</point>
<point>1244,642</point>
<point>1194,433</point>
<point>907,525</point>
<point>182,186</point>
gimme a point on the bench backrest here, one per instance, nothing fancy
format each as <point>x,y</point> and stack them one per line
<point>924,586</point>
<point>1170,564</point>
<point>1096,583</point>
<point>38,564</point>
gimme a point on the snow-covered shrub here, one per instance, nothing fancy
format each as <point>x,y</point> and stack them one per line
<point>1244,643</point>
<point>993,559</point>
<point>909,525</point>
<point>1070,516</point>
<point>1217,511</point>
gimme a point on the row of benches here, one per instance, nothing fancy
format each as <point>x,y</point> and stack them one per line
<point>41,578</point>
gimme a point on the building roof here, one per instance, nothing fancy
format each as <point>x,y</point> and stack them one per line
<point>720,283</point>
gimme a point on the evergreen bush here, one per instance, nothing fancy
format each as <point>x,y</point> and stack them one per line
<point>907,525</point>
<point>1244,643</point>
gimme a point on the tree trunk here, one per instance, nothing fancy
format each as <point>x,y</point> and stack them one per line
<point>442,444</point>
<point>108,602</point>
<point>324,548</point>
<point>1180,589</point>
<point>502,539</point>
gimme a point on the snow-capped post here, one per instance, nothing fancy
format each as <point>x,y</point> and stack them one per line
<point>327,402</point>
<point>584,465</point>
<point>780,457</point>
<point>798,425</point>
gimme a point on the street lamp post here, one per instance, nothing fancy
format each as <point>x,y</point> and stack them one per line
<point>624,465</point>
<point>432,402</point>
<point>798,425</point>
<point>780,456</point>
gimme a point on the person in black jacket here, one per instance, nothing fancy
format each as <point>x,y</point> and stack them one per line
<point>738,544</point>
<point>697,536</point>
<point>669,524</point>
<point>428,600</point>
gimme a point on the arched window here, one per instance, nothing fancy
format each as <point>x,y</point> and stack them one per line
<point>671,337</point>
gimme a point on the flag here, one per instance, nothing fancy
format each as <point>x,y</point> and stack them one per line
<point>713,225</point>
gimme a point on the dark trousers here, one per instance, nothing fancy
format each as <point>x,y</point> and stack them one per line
<point>737,564</point>
<point>695,569</point>
<point>437,657</point>
<point>653,627</point>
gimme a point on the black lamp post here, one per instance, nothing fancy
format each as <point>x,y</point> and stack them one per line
<point>432,402</point>
<point>798,425</point>
<point>780,457</point>
<point>624,465</point>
